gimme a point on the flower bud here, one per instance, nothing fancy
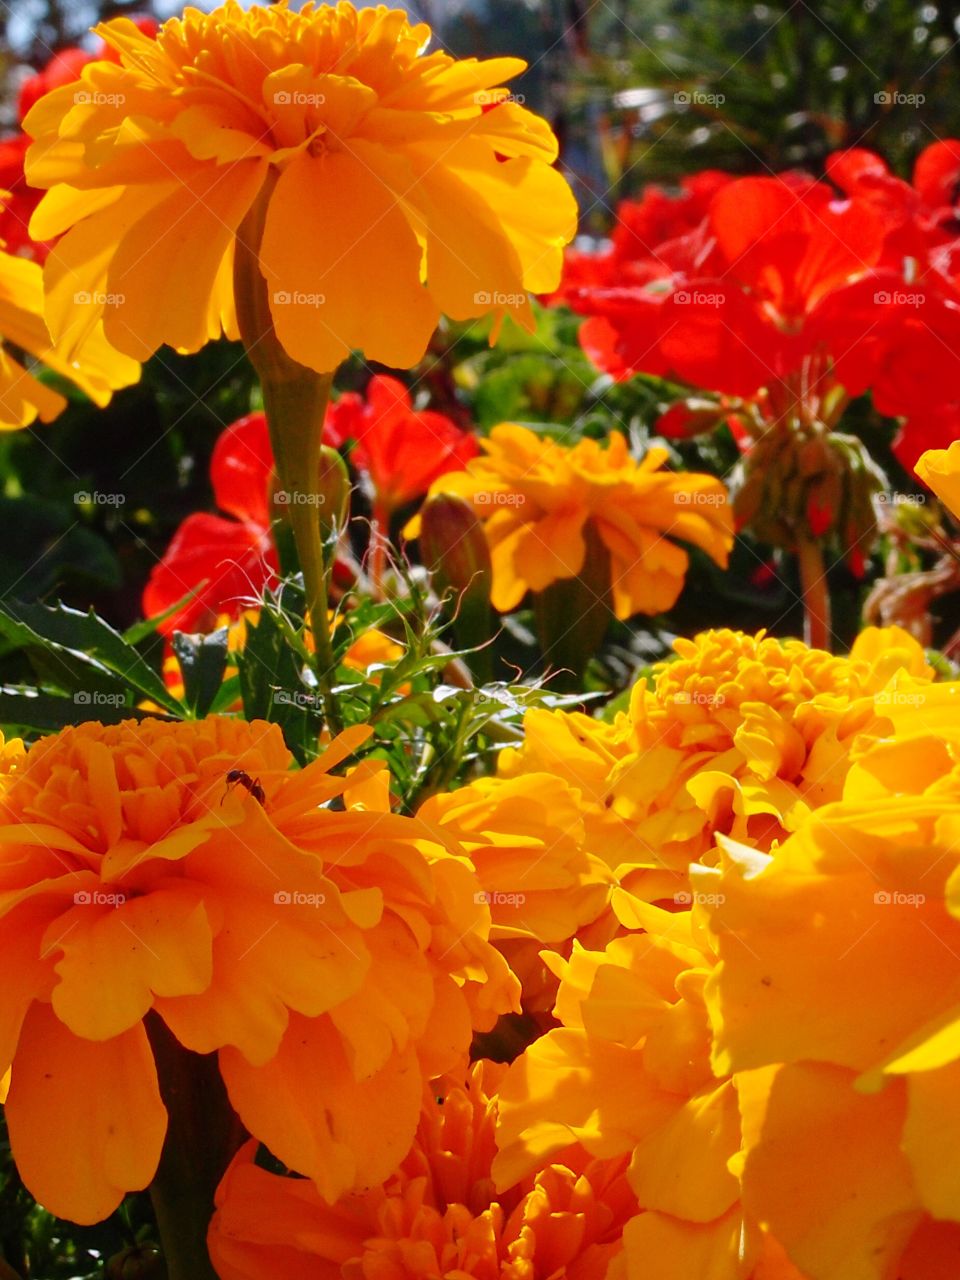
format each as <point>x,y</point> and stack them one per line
<point>139,1262</point>
<point>454,547</point>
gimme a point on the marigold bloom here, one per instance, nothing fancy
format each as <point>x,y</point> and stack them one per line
<point>536,497</point>
<point>94,366</point>
<point>335,957</point>
<point>439,1216</point>
<point>940,470</point>
<point>525,837</point>
<point>739,734</point>
<point>388,180</point>
<point>628,1074</point>
<point>836,997</point>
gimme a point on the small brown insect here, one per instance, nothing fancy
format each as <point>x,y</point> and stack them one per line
<point>242,778</point>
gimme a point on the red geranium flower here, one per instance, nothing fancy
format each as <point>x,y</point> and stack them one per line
<point>400,450</point>
<point>235,553</point>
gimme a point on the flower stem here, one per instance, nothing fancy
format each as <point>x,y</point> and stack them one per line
<point>295,401</point>
<point>203,1134</point>
<point>379,537</point>
<point>816,595</point>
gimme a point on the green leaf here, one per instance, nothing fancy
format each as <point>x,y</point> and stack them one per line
<point>28,711</point>
<point>148,626</point>
<point>203,661</point>
<point>68,637</point>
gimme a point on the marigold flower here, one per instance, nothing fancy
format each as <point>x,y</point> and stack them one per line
<point>525,837</point>
<point>836,1000</point>
<point>93,365</point>
<point>739,734</point>
<point>384,174</point>
<point>439,1216</point>
<point>536,497</point>
<point>940,470</point>
<point>334,957</point>
<point>628,1075</point>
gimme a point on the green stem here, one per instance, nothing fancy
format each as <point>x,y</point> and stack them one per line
<point>295,401</point>
<point>816,596</point>
<point>203,1134</point>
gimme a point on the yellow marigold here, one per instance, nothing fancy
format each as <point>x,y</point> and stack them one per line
<point>628,1075</point>
<point>836,1001</point>
<point>91,365</point>
<point>940,470</point>
<point>331,951</point>
<point>537,496</point>
<point>525,837</point>
<point>438,1217</point>
<point>740,734</point>
<point>393,184</point>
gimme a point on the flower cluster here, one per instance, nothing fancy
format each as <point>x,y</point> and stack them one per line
<point>768,289</point>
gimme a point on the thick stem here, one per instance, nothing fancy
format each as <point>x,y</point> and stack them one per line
<point>203,1134</point>
<point>295,401</point>
<point>816,596</point>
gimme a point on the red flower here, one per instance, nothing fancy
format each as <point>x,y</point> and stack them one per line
<point>237,554</point>
<point>401,451</point>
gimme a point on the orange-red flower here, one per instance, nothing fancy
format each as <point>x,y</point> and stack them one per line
<point>400,451</point>
<point>335,957</point>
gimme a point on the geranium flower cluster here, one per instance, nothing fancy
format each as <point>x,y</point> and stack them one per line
<point>777,289</point>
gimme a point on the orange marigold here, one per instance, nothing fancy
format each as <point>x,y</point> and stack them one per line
<point>382,172</point>
<point>92,365</point>
<point>537,497</point>
<point>439,1216</point>
<point>740,734</point>
<point>332,953</point>
<point>837,1001</point>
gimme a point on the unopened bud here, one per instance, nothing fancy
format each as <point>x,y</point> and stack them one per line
<point>139,1262</point>
<point>454,547</point>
